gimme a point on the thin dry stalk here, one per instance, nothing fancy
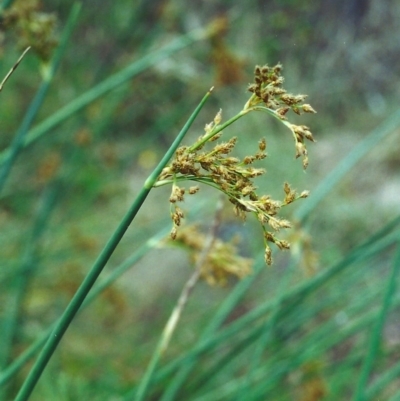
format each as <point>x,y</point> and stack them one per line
<point>13,68</point>
<point>188,288</point>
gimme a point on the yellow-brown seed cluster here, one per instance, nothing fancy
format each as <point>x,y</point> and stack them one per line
<point>267,91</point>
<point>177,195</point>
<point>221,262</point>
<point>235,177</point>
<point>32,27</point>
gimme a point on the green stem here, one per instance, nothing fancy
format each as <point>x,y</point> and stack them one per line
<point>221,127</point>
<point>83,290</point>
<point>18,362</point>
<point>179,307</point>
<point>18,141</point>
<point>203,180</point>
<point>22,278</point>
<point>108,85</point>
<point>5,5</point>
<point>216,130</point>
<point>360,394</point>
<point>15,66</point>
<point>209,340</point>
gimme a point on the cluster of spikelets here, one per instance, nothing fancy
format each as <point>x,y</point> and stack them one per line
<point>268,93</point>
<point>32,27</point>
<point>234,177</point>
<point>222,260</point>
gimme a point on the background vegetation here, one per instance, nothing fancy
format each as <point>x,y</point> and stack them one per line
<point>89,112</point>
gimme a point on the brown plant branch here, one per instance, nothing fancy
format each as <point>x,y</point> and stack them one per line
<point>13,68</point>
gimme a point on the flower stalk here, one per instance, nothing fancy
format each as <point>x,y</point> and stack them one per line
<point>86,285</point>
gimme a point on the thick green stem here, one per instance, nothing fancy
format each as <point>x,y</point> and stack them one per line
<point>19,362</point>
<point>83,290</point>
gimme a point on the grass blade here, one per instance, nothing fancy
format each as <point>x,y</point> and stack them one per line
<point>83,290</point>
<point>20,361</point>
<point>107,85</point>
<point>34,107</point>
<point>377,331</point>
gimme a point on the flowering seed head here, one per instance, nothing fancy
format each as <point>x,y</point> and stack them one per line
<point>193,190</point>
<point>208,128</point>
<point>281,244</point>
<point>179,212</point>
<point>309,136</point>
<point>262,144</point>
<point>282,112</point>
<point>285,224</point>
<point>235,177</point>
<point>268,256</point>
<point>307,108</point>
<point>218,117</point>
<point>173,233</point>
<point>274,223</point>
<point>300,149</point>
<point>249,159</point>
<point>216,136</point>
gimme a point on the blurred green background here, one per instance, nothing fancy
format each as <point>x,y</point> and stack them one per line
<point>93,140</point>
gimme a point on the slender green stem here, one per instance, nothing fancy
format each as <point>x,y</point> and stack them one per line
<point>375,244</point>
<point>83,290</point>
<point>382,382</point>
<point>203,180</point>
<point>360,394</point>
<point>22,275</point>
<point>177,312</point>
<point>5,5</point>
<point>216,130</point>
<point>221,127</point>
<point>18,141</point>
<point>13,68</point>
<point>108,85</point>
<point>18,362</point>
<point>267,332</point>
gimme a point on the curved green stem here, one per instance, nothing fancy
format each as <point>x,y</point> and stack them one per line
<point>274,114</point>
<point>216,130</point>
<point>86,285</point>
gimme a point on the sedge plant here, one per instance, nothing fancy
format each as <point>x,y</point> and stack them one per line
<point>215,167</point>
<point>234,178</point>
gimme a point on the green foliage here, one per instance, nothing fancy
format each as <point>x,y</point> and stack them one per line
<point>84,119</point>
